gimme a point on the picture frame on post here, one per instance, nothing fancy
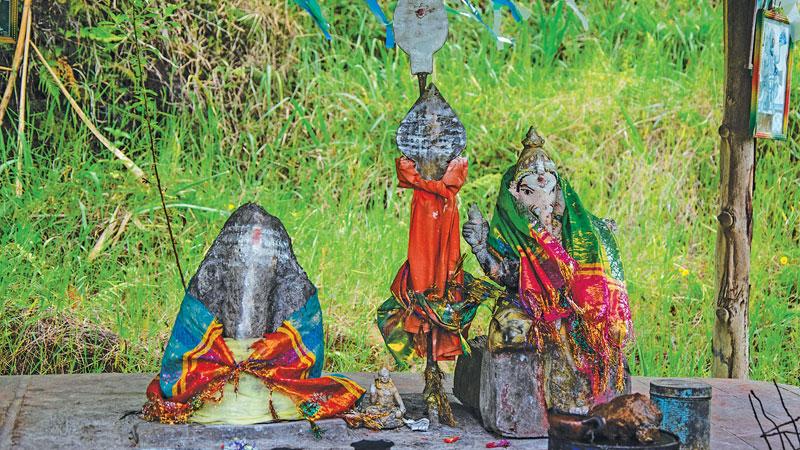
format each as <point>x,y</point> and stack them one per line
<point>772,75</point>
<point>9,21</point>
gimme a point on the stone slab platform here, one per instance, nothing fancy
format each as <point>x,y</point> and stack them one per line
<point>86,411</point>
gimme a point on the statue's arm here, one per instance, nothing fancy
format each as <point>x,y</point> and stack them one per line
<point>447,187</point>
<point>503,271</point>
<point>399,401</point>
<point>373,394</point>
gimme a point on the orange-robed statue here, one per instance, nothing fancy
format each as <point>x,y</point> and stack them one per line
<point>434,250</point>
<point>427,314</point>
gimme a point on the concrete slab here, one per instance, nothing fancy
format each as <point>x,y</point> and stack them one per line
<point>89,411</point>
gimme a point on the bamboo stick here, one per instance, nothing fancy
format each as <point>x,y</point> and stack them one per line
<point>127,162</point>
<point>107,233</point>
<point>21,141</point>
<point>12,77</point>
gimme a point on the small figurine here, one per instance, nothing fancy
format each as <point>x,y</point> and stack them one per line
<point>384,409</point>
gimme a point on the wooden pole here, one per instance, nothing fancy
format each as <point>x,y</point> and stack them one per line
<point>731,345</point>
<point>21,141</point>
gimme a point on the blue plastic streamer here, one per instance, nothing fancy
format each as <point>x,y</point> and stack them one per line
<point>477,15</point>
<point>376,9</point>
<point>515,12</point>
<point>313,10</point>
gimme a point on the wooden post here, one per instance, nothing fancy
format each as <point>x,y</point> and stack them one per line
<point>737,164</point>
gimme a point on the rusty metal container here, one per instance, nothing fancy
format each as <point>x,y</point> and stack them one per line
<point>686,407</point>
<point>666,441</point>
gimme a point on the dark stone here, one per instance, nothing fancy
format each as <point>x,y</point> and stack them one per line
<point>250,279</point>
<point>466,387</point>
<point>510,390</point>
<point>372,445</point>
<point>431,134</point>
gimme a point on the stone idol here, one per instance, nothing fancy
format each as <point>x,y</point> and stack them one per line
<point>247,345</point>
<point>383,408</point>
<point>557,333</point>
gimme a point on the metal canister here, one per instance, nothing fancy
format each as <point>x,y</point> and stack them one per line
<point>686,409</point>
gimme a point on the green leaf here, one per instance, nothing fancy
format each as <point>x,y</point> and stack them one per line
<point>102,33</point>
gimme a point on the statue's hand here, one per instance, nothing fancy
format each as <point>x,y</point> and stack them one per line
<point>476,229</point>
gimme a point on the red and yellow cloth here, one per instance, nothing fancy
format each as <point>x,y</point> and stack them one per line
<point>198,368</point>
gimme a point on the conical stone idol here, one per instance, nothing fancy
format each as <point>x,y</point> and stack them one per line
<point>431,134</point>
<point>250,279</point>
<point>247,345</point>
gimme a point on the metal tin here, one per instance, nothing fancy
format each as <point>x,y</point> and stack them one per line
<point>666,441</point>
<point>686,409</point>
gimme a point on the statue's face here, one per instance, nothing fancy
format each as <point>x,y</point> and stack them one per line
<point>535,190</point>
<point>384,373</point>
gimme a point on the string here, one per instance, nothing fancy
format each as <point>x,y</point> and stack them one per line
<point>148,125</point>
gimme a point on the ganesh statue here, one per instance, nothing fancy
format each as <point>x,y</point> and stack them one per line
<point>559,328</point>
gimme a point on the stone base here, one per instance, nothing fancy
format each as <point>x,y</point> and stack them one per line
<point>504,389</point>
<point>84,411</point>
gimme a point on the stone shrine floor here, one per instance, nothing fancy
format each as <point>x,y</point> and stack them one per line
<point>85,411</point>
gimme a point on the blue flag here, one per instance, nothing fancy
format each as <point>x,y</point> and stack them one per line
<point>515,12</point>
<point>376,9</point>
<point>477,15</point>
<point>313,9</point>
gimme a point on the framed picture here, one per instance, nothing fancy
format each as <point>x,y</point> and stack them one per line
<point>9,21</point>
<point>772,75</point>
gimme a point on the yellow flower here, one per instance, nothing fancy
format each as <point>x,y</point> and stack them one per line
<point>684,272</point>
<point>231,206</point>
<point>784,260</point>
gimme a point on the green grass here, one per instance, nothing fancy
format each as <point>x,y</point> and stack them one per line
<point>629,108</point>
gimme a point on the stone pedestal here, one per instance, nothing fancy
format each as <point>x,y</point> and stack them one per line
<point>504,389</point>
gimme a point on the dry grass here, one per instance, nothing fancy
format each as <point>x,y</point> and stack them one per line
<point>44,341</point>
<point>205,54</point>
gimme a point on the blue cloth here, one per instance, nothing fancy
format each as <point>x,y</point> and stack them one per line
<point>515,13</point>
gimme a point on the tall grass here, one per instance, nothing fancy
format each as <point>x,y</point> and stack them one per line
<point>629,109</point>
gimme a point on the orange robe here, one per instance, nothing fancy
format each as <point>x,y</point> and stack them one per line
<point>434,248</point>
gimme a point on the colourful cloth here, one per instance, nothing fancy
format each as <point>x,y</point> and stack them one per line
<point>445,319</point>
<point>579,280</point>
<point>426,291</point>
<point>198,364</point>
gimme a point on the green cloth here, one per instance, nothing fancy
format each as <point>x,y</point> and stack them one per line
<point>455,317</point>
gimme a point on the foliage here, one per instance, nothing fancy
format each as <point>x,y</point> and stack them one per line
<point>305,127</point>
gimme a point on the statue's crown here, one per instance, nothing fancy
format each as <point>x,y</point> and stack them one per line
<point>532,139</point>
<point>532,150</point>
